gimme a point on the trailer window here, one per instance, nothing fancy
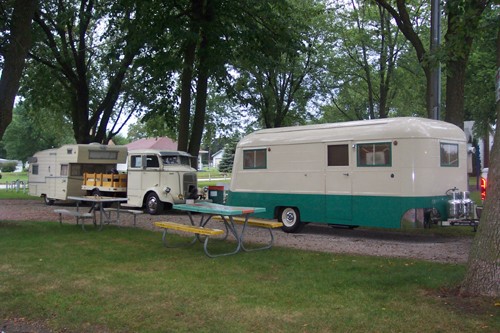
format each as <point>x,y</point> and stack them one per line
<point>374,154</point>
<point>449,155</point>
<point>102,155</point>
<point>77,170</point>
<point>64,169</point>
<point>338,155</point>
<point>254,159</point>
<point>34,169</point>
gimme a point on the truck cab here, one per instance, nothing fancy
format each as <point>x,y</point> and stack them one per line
<point>158,179</point>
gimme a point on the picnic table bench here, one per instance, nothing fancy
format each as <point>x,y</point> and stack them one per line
<point>254,222</point>
<point>77,214</point>
<point>127,211</point>
<point>208,232</point>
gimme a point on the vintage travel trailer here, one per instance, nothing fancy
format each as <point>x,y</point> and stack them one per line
<point>154,179</point>
<point>55,174</point>
<point>360,173</point>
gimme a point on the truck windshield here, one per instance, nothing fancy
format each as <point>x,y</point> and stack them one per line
<point>176,159</point>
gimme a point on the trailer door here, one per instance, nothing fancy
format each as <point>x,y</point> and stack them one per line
<point>338,185</point>
<point>51,177</point>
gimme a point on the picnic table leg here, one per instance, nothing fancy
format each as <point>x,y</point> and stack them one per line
<point>165,243</point>
<point>229,227</point>
<point>204,222</point>
<point>77,218</point>
<point>267,246</point>
<point>101,215</point>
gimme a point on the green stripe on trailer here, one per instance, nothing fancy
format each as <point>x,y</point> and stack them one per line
<point>374,211</point>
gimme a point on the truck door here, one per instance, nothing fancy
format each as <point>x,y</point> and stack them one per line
<point>134,183</point>
<point>151,174</point>
<point>143,174</point>
<point>338,184</point>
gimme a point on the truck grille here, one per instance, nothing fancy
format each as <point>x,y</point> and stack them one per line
<point>189,185</point>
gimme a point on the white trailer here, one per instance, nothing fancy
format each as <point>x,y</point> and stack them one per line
<point>155,179</point>
<point>361,173</point>
<point>55,174</point>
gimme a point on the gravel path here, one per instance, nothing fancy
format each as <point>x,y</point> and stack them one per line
<point>322,238</point>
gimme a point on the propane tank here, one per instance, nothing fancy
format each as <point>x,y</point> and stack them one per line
<point>454,202</point>
<point>467,204</point>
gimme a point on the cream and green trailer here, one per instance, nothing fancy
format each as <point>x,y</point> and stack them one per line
<point>360,173</point>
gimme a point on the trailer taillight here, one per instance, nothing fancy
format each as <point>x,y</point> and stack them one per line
<point>483,188</point>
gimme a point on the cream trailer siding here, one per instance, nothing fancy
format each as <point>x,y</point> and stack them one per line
<point>57,173</point>
<point>354,173</point>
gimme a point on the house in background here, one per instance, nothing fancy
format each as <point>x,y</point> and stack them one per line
<point>217,157</point>
<point>163,143</point>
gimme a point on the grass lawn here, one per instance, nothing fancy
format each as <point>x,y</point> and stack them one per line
<point>123,279</point>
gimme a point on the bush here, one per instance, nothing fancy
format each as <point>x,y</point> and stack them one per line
<point>8,167</point>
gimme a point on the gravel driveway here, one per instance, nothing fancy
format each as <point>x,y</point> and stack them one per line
<point>322,238</point>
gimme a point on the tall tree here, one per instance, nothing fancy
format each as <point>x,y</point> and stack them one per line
<point>462,28</point>
<point>205,34</point>
<point>462,17</point>
<point>364,58</point>
<point>404,20</point>
<point>194,14</point>
<point>19,41</point>
<point>43,129</point>
<point>483,268</point>
<point>278,64</point>
<point>88,63</point>
<point>481,67</point>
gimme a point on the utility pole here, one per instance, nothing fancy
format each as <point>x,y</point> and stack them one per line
<point>435,67</point>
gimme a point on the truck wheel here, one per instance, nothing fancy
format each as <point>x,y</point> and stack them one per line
<point>153,204</point>
<point>290,218</point>
<point>48,201</point>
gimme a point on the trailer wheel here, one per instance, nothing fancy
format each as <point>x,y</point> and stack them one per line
<point>48,201</point>
<point>153,204</point>
<point>290,217</point>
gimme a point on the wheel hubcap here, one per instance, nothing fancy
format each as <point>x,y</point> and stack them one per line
<point>289,218</point>
<point>152,204</point>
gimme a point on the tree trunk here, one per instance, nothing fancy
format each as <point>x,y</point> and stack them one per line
<point>14,58</point>
<point>201,101</point>
<point>187,75</point>
<point>483,268</point>
<point>455,86</point>
<point>185,106</point>
<point>463,20</point>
